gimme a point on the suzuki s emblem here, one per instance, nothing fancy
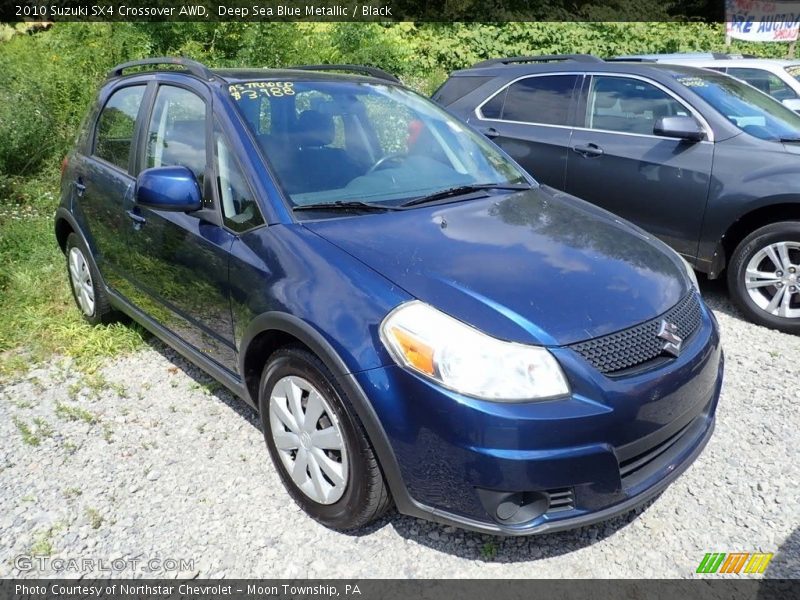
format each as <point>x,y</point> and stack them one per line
<point>672,341</point>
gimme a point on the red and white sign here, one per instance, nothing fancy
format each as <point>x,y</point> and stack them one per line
<point>759,21</point>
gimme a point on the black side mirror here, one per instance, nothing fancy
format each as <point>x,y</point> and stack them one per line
<point>682,127</point>
<point>172,189</point>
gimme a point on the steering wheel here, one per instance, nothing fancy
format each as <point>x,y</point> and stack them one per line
<point>383,160</point>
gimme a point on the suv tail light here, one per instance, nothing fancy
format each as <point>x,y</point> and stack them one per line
<point>64,164</point>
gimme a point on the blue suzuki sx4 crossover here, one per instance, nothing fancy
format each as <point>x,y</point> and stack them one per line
<point>418,322</point>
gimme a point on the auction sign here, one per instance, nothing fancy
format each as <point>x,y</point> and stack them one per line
<point>759,21</point>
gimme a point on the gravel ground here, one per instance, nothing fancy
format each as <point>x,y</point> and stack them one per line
<point>151,460</point>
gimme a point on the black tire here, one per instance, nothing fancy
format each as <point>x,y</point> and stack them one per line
<point>102,312</point>
<point>366,496</point>
<point>785,231</point>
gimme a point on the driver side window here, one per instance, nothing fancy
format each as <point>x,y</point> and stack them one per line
<point>628,105</point>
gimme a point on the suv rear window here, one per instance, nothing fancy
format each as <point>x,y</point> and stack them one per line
<point>457,87</point>
<point>116,125</point>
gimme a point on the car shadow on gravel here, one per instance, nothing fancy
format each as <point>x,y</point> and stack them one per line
<point>450,540</point>
<point>715,294</point>
<point>496,549</point>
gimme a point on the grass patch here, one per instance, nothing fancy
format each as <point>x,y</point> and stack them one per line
<point>33,436</point>
<point>489,551</point>
<point>71,493</point>
<point>75,413</point>
<point>43,543</point>
<point>95,518</point>
<point>39,314</point>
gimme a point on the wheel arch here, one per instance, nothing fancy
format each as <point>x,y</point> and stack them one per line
<point>273,330</point>
<point>267,332</point>
<point>746,224</point>
<point>64,225</point>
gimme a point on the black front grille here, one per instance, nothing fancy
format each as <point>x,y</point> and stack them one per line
<point>623,350</point>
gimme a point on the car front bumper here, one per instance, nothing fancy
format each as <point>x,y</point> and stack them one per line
<point>609,447</point>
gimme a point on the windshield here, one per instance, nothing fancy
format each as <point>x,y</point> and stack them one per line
<point>746,107</point>
<point>347,141</point>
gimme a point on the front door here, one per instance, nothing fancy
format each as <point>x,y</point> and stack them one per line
<point>179,273</point>
<point>658,183</point>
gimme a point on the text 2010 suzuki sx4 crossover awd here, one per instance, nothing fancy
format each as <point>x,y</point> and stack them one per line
<point>417,321</point>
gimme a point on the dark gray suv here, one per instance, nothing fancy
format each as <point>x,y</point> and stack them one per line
<point>705,162</point>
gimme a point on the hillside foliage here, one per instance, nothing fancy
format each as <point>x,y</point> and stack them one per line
<point>49,77</point>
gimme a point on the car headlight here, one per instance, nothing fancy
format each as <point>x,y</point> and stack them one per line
<point>468,361</point>
<point>690,272</point>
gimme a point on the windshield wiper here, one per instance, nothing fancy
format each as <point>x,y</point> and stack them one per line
<point>348,205</point>
<point>789,139</point>
<point>465,189</point>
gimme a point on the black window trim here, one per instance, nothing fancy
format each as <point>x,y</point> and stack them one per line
<point>504,89</point>
<point>130,170</point>
<point>217,125</point>
<point>694,112</point>
<point>141,155</point>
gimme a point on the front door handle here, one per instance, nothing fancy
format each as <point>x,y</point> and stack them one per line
<point>138,220</point>
<point>491,133</point>
<point>588,150</point>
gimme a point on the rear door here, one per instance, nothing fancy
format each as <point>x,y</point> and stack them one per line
<point>616,161</point>
<point>104,182</point>
<point>531,119</point>
<point>179,273</point>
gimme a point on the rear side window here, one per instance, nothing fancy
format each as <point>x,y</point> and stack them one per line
<point>493,109</point>
<point>177,131</point>
<point>542,100</point>
<point>116,126</point>
<point>457,87</point>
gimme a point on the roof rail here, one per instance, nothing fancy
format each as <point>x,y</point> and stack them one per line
<point>587,58</point>
<point>371,71</point>
<point>194,67</point>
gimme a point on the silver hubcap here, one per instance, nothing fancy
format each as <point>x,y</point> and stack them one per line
<point>309,439</point>
<point>773,279</point>
<point>81,279</point>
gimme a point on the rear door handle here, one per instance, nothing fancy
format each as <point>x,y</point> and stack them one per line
<point>138,220</point>
<point>79,188</point>
<point>491,133</point>
<point>588,150</point>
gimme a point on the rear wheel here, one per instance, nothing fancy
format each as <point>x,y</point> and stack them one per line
<point>318,444</point>
<point>764,276</point>
<point>86,285</point>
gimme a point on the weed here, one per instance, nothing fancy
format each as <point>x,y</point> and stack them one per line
<point>75,413</point>
<point>71,493</point>
<point>489,550</point>
<point>28,435</point>
<point>95,518</point>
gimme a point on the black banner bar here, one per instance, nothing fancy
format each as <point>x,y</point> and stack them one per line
<point>734,587</point>
<point>361,10</point>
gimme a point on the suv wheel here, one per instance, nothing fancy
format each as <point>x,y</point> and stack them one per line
<point>764,276</point>
<point>85,282</point>
<point>317,443</point>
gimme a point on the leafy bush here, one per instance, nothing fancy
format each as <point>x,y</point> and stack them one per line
<point>48,78</point>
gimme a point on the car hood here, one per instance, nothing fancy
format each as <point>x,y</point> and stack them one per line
<point>537,266</point>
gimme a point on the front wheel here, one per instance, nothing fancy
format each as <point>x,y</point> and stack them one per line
<point>764,276</point>
<point>318,444</point>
